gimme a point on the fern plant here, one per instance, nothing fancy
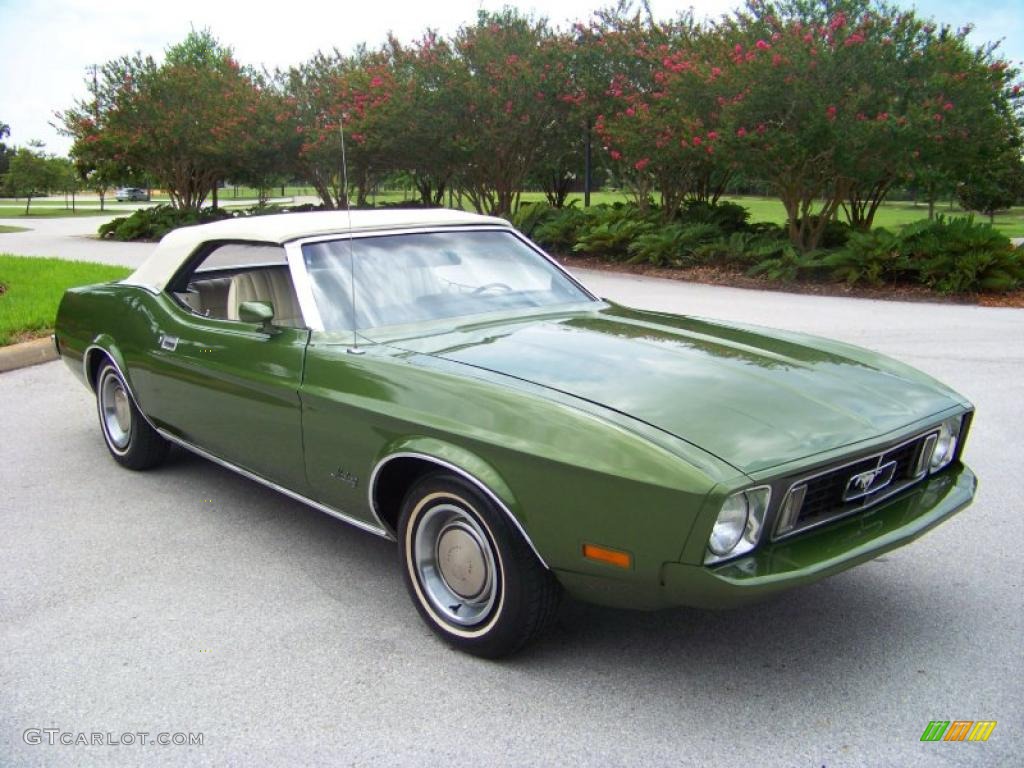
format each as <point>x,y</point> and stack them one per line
<point>788,265</point>
<point>871,258</point>
<point>559,230</point>
<point>672,245</point>
<point>611,238</point>
<point>960,256</point>
<point>529,216</point>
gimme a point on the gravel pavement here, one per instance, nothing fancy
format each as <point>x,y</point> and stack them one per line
<point>188,599</point>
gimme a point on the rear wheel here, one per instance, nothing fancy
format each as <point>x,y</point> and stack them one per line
<point>472,577</point>
<point>131,440</point>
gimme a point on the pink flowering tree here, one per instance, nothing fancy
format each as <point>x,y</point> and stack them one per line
<point>833,105</point>
<point>424,115</point>
<point>331,92</point>
<point>661,121</point>
<point>507,84</point>
<point>185,123</point>
<point>971,115</point>
<point>810,110</point>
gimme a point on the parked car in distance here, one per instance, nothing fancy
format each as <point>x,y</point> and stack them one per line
<point>131,194</point>
<point>434,378</point>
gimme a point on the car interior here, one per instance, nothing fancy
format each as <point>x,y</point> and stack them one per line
<point>234,273</point>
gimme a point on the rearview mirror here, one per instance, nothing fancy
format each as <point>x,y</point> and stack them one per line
<point>256,312</point>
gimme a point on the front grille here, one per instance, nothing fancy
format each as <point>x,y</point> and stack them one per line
<point>853,486</point>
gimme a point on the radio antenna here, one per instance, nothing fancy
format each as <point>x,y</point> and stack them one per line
<point>354,349</point>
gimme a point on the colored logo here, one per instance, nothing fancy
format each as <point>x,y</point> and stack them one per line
<point>958,730</point>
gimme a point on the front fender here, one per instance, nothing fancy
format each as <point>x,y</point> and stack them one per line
<point>465,464</point>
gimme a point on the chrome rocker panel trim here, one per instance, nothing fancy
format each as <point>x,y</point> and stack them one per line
<point>382,532</point>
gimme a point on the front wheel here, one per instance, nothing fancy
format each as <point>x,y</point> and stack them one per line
<point>131,440</point>
<point>472,577</point>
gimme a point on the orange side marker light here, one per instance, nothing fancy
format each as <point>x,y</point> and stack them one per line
<point>614,557</point>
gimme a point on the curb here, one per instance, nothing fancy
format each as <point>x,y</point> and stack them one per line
<point>27,353</point>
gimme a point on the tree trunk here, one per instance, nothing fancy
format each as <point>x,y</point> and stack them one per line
<point>28,202</point>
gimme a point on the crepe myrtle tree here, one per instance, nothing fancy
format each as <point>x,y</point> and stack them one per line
<point>508,81</point>
<point>662,127</point>
<point>945,111</point>
<point>327,93</point>
<point>264,157</point>
<point>797,105</point>
<point>972,116</point>
<point>95,151</point>
<point>833,104</point>
<point>185,123</point>
<point>93,154</point>
<point>425,112</point>
<point>560,163</point>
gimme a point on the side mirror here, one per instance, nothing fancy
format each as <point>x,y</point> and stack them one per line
<point>261,312</point>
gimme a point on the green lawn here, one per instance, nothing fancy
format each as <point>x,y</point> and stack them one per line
<point>31,289</point>
<point>251,193</point>
<point>8,211</point>
<point>5,229</point>
<point>891,215</point>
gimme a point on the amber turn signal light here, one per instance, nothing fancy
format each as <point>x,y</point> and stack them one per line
<point>610,556</point>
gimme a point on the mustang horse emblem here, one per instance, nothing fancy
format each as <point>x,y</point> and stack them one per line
<point>865,483</point>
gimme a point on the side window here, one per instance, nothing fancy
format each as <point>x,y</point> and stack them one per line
<point>232,273</point>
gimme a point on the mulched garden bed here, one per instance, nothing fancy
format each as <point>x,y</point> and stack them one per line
<point>737,279</point>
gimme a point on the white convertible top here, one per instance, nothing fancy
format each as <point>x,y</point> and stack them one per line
<point>176,246</point>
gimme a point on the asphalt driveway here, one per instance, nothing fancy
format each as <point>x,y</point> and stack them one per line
<point>190,600</point>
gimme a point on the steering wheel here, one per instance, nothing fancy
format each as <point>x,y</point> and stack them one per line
<point>491,287</point>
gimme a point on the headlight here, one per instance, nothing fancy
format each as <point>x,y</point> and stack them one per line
<point>738,525</point>
<point>730,525</point>
<point>945,444</point>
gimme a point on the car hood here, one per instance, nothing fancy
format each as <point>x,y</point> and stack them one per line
<point>752,397</point>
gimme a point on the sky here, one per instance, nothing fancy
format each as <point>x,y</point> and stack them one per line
<point>47,46</point>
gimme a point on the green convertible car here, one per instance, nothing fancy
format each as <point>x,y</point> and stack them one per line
<point>434,378</point>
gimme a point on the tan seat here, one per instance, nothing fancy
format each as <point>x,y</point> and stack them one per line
<point>213,296</point>
<point>273,285</point>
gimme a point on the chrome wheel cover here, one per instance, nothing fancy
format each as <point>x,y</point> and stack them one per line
<point>115,411</point>
<point>455,565</point>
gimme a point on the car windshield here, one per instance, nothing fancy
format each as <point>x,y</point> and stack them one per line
<point>416,278</point>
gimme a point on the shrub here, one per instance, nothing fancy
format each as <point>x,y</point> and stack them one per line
<point>671,245</point>
<point>789,265</point>
<point>960,256</point>
<point>741,249</point>
<point>835,235</point>
<point>609,229</point>
<point>529,216</point>
<point>728,217</point>
<point>153,223</point>
<point>559,230</point>
<point>874,258</point>
<point>611,237</point>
